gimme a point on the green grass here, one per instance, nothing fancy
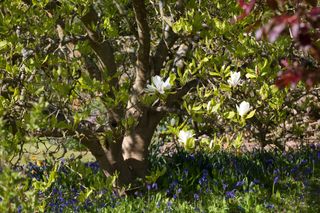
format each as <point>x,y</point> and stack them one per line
<point>199,182</point>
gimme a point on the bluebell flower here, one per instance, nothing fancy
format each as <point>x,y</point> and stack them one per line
<point>179,190</point>
<point>173,184</point>
<point>313,146</point>
<point>196,196</point>
<point>275,180</point>
<point>230,194</point>
<point>63,160</point>
<point>269,161</point>
<point>154,186</point>
<point>239,183</point>
<point>224,186</point>
<point>205,173</point>
<point>276,171</point>
<point>19,209</point>
<point>256,181</point>
<point>293,170</point>
<point>269,206</point>
<point>186,172</point>
<point>94,166</point>
<point>148,187</point>
<point>169,204</point>
<point>303,162</point>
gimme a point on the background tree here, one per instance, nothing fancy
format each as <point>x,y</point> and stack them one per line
<point>300,20</point>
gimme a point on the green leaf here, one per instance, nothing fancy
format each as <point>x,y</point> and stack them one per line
<point>251,75</point>
<point>231,114</point>
<point>190,144</point>
<point>215,74</point>
<point>196,108</point>
<point>3,44</point>
<point>225,87</point>
<point>216,107</point>
<point>251,114</point>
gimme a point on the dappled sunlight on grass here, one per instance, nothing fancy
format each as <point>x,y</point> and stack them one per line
<point>221,181</point>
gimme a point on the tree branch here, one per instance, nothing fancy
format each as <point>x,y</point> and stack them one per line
<point>102,48</point>
<point>171,99</point>
<point>143,55</point>
<point>168,38</point>
<point>163,48</point>
<point>105,53</point>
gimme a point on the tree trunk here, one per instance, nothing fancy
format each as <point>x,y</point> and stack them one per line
<point>128,157</point>
<point>136,143</point>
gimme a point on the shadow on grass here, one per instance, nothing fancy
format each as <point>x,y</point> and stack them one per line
<point>273,179</point>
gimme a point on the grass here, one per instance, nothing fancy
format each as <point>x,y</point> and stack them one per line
<point>47,150</point>
<point>193,182</point>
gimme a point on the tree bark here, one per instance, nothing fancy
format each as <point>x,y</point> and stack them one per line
<point>136,143</point>
<point>127,157</point>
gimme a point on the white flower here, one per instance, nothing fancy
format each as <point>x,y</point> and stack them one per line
<point>234,79</point>
<point>244,108</point>
<point>158,85</point>
<point>184,136</point>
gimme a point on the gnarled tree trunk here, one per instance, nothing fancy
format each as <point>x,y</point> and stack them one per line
<point>129,155</point>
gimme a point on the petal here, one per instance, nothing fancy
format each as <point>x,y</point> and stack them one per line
<point>151,89</point>
<point>157,81</point>
<point>167,84</point>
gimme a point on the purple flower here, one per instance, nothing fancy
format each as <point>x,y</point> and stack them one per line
<point>173,184</point>
<point>175,196</point>
<point>275,180</point>
<point>239,183</point>
<point>169,204</point>
<point>224,186</point>
<point>186,172</point>
<point>148,187</point>
<point>179,190</point>
<point>154,186</point>
<point>136,193</point>
<point>196,196</point>
<point>256,181</point>
<point>230,194</point>
<point>205,173</point>
<point>94,166</point>
<point>19,209</point>
<point>276,171</point>
<point>313,146</point>
<point>269,161</point>
<point>294,169</point>
<point>269,206</point>
<point>303,162</point>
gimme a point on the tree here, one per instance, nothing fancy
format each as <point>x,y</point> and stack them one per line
<point>300,20</point>
<point>90,70</point>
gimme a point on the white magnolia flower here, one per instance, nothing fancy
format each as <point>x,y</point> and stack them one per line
<point>244,108</point>
<point>158,85</point>
<point>234,79</point>
<point>184,136</point>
